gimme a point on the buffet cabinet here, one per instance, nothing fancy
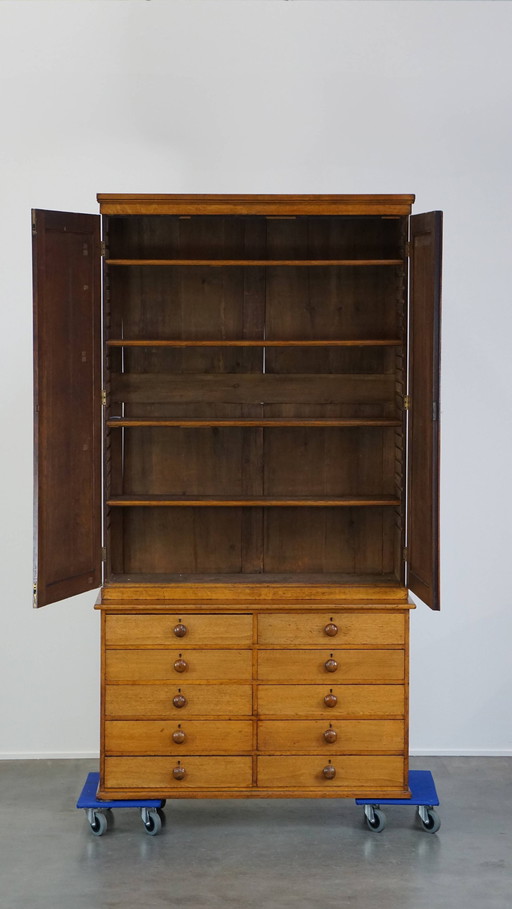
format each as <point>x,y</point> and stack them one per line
<point>237,440</point>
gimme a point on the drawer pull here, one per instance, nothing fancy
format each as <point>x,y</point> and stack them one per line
<point>180,630</point>
<point>180,665</point>
<point>179,772</point>
<point>330,735</point>
<point>329,772</point>
<point>330,700</point>
<point>179,700</point>
<point>331,664</point>
<point>178,736</point>
<point>331,629</point>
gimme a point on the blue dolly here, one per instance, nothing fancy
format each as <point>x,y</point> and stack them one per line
<point>99,813</point>
<point>423,795</point>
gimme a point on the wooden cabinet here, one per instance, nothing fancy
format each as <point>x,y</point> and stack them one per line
<point>258,366</point>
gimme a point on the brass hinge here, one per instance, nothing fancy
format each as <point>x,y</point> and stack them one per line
<point>34,596</point>
<point>103,397</point>
<point>407,402</point>
<point>405,554</point>
<point>103,553</point>
<point>34,225</point>
<point>103,248</point>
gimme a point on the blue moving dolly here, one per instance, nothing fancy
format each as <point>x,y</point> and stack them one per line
<point>423,795</point>
<point>99,813</point>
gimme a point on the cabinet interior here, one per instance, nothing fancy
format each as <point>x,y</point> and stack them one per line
<point>255,398</point>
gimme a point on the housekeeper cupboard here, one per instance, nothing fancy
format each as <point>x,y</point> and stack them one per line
<point>259,378</point>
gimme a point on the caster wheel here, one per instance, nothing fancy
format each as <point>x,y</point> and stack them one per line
<point>375,819</point>
<point>429,819</point>
<point>152,822</point>
<point>98,823</point>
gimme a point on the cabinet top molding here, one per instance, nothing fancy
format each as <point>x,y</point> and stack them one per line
<point>218,204</point>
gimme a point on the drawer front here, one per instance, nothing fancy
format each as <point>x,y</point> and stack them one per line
<point>331,665</point>
<point>350,770</point>
<point>348,628</point>
<point>159,630</point>
<point>158,700</point>
<point>157,773</point>
<point>178,665</point>
<point>351,700</point>
<point>347,736</point>
<point>170,737</point>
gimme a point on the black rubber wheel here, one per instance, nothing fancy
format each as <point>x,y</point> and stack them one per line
<point>99,824</point>
<point>433,823</point>
<point>378,823</point>
<point>153,825</point>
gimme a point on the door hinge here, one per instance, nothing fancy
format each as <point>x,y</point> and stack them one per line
<point>34,596</point>
<point>34,225</point>
<point>103,397</point>
<point>435,411</point>
<point>103,553</point>
<point>405,554</point>
<point>103,251</point>
<point>407,402</point>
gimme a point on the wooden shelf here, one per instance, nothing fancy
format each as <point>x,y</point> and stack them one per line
<point>243,423</point>
<point>222,263</point>
<point>148,342</point>
<point>251,501</point>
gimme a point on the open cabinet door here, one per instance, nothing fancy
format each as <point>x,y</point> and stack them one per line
<point>67,404</point>
<point>423,418</point>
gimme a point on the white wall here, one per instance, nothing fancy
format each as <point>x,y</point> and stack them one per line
<point>311,96</point>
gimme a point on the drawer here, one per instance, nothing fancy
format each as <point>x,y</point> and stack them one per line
<point>171,737</point>
<point>350,770</point>
<point>292,630</point>
<point>157,773</point>
<point>319,665</point>
<point>351,700</point>
<point>158,700</point>
<point>175,664</point>
<point>199,630</point>
<point>331,737</point>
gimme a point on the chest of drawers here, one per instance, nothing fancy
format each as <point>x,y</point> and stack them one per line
<point>275,701</point>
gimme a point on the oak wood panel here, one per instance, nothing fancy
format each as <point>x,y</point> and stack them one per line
<point>159,665</point>
<point>310,665</point>
<point>166,501</point>
<point>266,204</point>
<point>227,772</point>
<point>353,629</point>
<point>255,263</point>
<point>282,591</point>
<point>370,701</point>
<point>306,770</point>
<point>243,422</point>
<point>352,736</point>
<point>200,736</point>
<point>202,699</point>
<point>137,388</point>
<point>158,630</point>
<point>256,342</point>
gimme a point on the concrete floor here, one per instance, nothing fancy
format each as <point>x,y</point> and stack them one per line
<point>256,854</point>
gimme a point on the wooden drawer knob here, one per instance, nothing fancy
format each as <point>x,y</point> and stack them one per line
<point>180,665</point>
<point>178,736</point>
<point>179,700</point>
<point>329,772</point>
<point>180,630</point>
<point>331,629</point>
<point>330,700</point>
<point>179,772</point>
<point>331,665</point>
<point>330,735</point>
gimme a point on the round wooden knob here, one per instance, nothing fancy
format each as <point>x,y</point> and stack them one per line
<point>329,772</point>
<point>179,772</point>
<point>181,665</point>
<point>330,735</point>
<point>331,629</point>
<point>179,700</point>
<point>330,700</point>
<point>330,665</point>
<point>179,736</point>
<point>180,630</point>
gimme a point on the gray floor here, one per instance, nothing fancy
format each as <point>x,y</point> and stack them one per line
<point>257,854</point>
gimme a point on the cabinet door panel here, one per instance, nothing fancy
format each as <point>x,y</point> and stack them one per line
<point>423,419</point>
<point>67,404</point>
